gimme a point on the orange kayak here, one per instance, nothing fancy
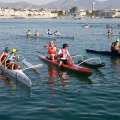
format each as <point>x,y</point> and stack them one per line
<point>72,67</point>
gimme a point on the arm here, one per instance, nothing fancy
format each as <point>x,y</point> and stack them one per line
<point>1,56</point>
<point>46,46</point>
<point>69,56</point>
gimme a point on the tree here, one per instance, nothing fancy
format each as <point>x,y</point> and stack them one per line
<point>74,9</point>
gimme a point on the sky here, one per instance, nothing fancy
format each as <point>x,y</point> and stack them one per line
<point>35,2</point>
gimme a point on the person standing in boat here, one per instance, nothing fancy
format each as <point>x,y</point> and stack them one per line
<point>52,49</point>
<point>48,32</point>
<point>115,46</point>
<point>9,62</point>
<point>4,54</point>
<point>28,33</point>
<point>56,33</point>
<point>64,56</point>
<point>36,33</point>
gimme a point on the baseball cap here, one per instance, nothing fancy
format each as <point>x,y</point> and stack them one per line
<point>14,50</point>
<point>117,39</point>
<point>7,48</point>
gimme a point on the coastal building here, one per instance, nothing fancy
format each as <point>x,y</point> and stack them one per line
<point>109,14</point>
<point>10,13</point>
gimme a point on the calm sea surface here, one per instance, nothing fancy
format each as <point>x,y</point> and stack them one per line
<point>61,95</point>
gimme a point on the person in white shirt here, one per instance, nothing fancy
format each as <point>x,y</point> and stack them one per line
<point>48,32</point>
<point>64,56</point>
<point>56,33</point>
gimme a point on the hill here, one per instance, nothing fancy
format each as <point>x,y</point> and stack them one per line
<point>64,4</point>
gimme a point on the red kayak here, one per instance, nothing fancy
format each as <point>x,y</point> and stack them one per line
<point>73,67</point>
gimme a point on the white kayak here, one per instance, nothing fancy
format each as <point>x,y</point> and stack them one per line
<point>48,36</point>
<point>18,75</point>
<point>40,36</point>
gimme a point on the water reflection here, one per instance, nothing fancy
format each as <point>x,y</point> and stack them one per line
<point>63,76</point>
<point>6,80</point>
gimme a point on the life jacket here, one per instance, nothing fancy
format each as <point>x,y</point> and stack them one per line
<point>64,53</point>
<point>114,46</point>
<point>10,56</point>
<point>117,46</point>
<point>51,50</point>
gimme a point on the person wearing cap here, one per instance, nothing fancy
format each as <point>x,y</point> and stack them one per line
<point>4,54</point>
<point>64,56</point>
<point>36,33</point>
<point>110,32</point>
<point>9,62</point>
<point>28,33</point>
<point>52,49</point>
<point>115,46</point>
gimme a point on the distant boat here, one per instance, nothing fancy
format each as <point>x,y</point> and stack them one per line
<point>77,18</point>
<point>54,17</point>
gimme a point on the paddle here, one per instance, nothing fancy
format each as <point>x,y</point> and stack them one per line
<point>33,67</point>
<point>88,60</point>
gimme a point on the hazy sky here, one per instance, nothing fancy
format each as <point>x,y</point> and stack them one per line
<point>36,2</point>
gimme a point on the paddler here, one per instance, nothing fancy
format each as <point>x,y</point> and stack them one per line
<point>115,46</point>
<point>28,33</point>
<point>64,56</point>
<point>110,32</point>
<point>48,32</point>
<point>4,54</point>
<point>36,33</point>
<point>9,62</point>
<point>56,33</point>
<point>52,49</point>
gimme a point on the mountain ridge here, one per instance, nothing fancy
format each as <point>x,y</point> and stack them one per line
<point>64,4</point>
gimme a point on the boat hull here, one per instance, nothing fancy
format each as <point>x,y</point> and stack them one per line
<point>18,75</point>
<point>102,52</point>
<point>48,36</point>
<point>72,67</point>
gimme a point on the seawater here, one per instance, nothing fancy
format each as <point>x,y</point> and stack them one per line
<point>61,95</point>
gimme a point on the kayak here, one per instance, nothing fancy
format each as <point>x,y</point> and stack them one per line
<point>18,75</point>
<point>103,52</point>
<point>40,36</point>
<point>72,67</point>
<point>48,36</point>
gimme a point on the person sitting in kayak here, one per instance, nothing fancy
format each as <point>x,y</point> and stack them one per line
<point>52,49</point>
<point>115,47</point>
<point>110,31</point>
<point>28,33</point>
<point>64,56</point>
<point>9,62</point>
<point>36,33</point>
<point>56,33</point>
<point>48,32</point>
<point>3,55</point>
